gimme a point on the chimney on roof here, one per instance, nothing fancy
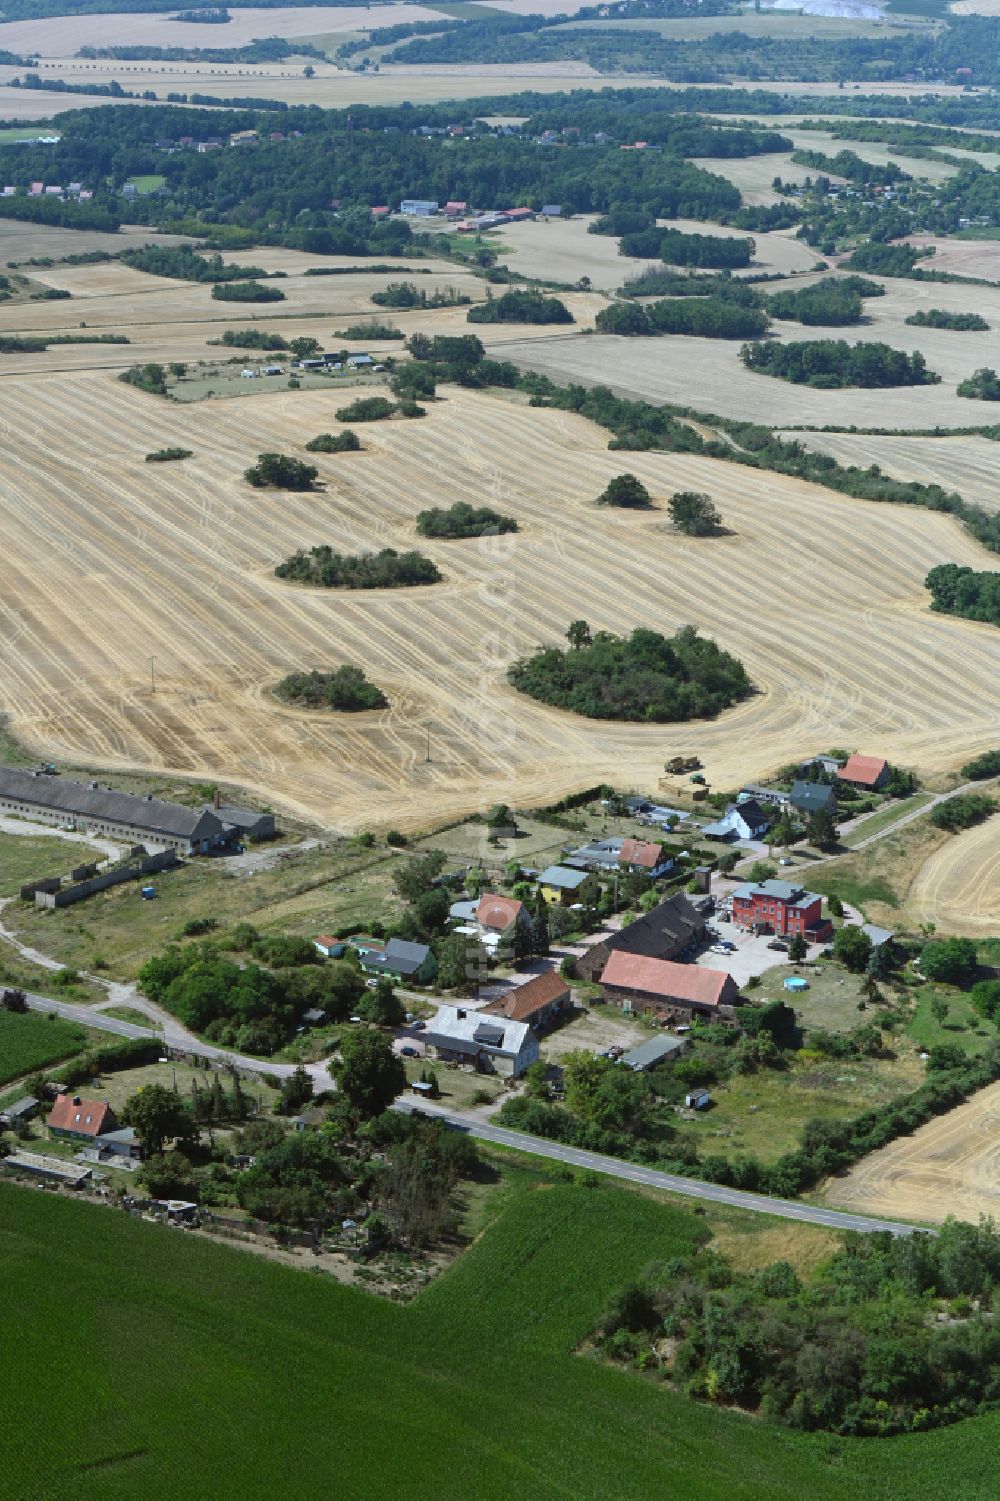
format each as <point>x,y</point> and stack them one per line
<point>147,797</point>
<point>461,1016</point>
<point>217,799</point>
<point>93,786</point>
<point>77,1100</point>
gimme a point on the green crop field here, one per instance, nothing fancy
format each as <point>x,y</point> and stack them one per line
<point>210,1372</point>
<point>32,1040</point>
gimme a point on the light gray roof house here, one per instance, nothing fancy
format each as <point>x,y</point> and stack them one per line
<point>656,1050</point>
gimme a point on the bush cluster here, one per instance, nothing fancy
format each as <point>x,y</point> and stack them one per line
<point>388,569</point>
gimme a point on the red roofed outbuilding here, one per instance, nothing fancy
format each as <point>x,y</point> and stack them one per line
<point>869,772</point>
<point>537,1002</point>
<point>662,987</point>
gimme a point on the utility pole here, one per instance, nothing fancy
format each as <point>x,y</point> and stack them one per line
<point>428,755</point>
<point>152,674</point>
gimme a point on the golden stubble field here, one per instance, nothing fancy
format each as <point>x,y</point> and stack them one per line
<point>109,562</point>
<point>958,887</point>
<point>951,1166</point>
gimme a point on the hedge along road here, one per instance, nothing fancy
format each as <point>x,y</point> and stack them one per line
<point>473,1125</point>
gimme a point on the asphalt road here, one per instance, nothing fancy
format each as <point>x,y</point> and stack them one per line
<point>692,1188</point>
<point>474,1125</point>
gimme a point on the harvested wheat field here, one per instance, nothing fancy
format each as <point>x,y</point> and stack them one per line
<point>966,464</point>
<point>63,36</point>
<point>110,561</point>
<point>980,258</point>
<point>707,374</point>
<point>958,887</point>
<point>949,1166</point>
<point>19,241</point>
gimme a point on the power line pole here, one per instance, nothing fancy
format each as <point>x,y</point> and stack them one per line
<point>152,674</point>
<point>428,755</point>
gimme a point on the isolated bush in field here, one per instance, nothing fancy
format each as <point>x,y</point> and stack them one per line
<point>279,470</point>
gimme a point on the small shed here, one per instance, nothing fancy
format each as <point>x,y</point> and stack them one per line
<point>654,1052</point>
<point>697,1099</point>
<point>21,1110</point>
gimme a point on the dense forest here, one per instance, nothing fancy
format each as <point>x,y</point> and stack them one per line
<point>645,676</point>
<point>345,689</point>
<point>388,569</point>
<point>963,591</point>
<point>830,363</point>
<point>855,1349</point>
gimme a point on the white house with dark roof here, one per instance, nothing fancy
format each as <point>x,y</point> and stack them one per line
<point>492,1044</point>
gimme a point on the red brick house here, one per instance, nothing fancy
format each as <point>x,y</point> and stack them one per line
<point>779,907</point>
<point>867,772</point>
<point>665,989</point>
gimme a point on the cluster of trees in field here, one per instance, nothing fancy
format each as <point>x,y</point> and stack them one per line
<point>982,767</point>
<point>377,409</point>
<point>181,262</point>
<point>848,164</point>
<point>662,281</point>
<point>520,307</point>
<point>675,248</point>
<point>963,591</point>
<point>885,260</point>
<point>645,676</point>
<point>345,442</point>
<point>270,49</point>
<point>642,425</point>
<point>371,328</point>
<point>851,1350</point>
<point>253,338</point>
<point>282,471</point>
<point>168,455</point>
<point>246,291</point>
<point>962,812</point>
<point>832,302</point>
<point>936,317</point>
<point>982,385</point>
<point>463,520</point>
<point>707,317</point>
<point>388,569</point>
<point>830,363</point>
<point>405,294</point>
<point>345,688</point>
<point>32,344</point>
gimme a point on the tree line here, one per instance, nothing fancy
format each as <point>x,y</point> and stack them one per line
<point>831,363</point>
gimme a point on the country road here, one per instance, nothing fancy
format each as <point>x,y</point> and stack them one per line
<point>474,1125</point>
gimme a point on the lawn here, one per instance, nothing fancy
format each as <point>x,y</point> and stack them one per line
<point>878,879</point>
<point>311,892</point>
<point>30,857</point>
<point>886,817</point>
<point>830,1002</point>
<point>962,1027</point>
<point>33,1040</point>
<point>761,1115</point>
<point>459,1086</point>
<point>470,1391</point>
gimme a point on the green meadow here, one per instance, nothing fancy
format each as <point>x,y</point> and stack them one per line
<point>149,1363</point>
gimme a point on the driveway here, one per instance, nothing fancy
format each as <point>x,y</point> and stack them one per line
<point>751,955</point>
<point>46,831</point>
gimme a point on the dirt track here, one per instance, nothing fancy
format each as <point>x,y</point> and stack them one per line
<point>949,1166</point>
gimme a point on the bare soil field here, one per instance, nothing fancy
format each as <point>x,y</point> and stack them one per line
<point>963,257</point>
<point>19,241</point>
<point>949,1166</point>
<point>62,36</point>
<point>562,250</point>
<point>958,888</point>
<point>108,564</point>
<point>708,374</point>
<point>965,464</point>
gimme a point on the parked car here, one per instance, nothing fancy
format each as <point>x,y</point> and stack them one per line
<point>719,948</point>
<point>778,943</point>
<point>410,1052</point>
<point>419,1026</point>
